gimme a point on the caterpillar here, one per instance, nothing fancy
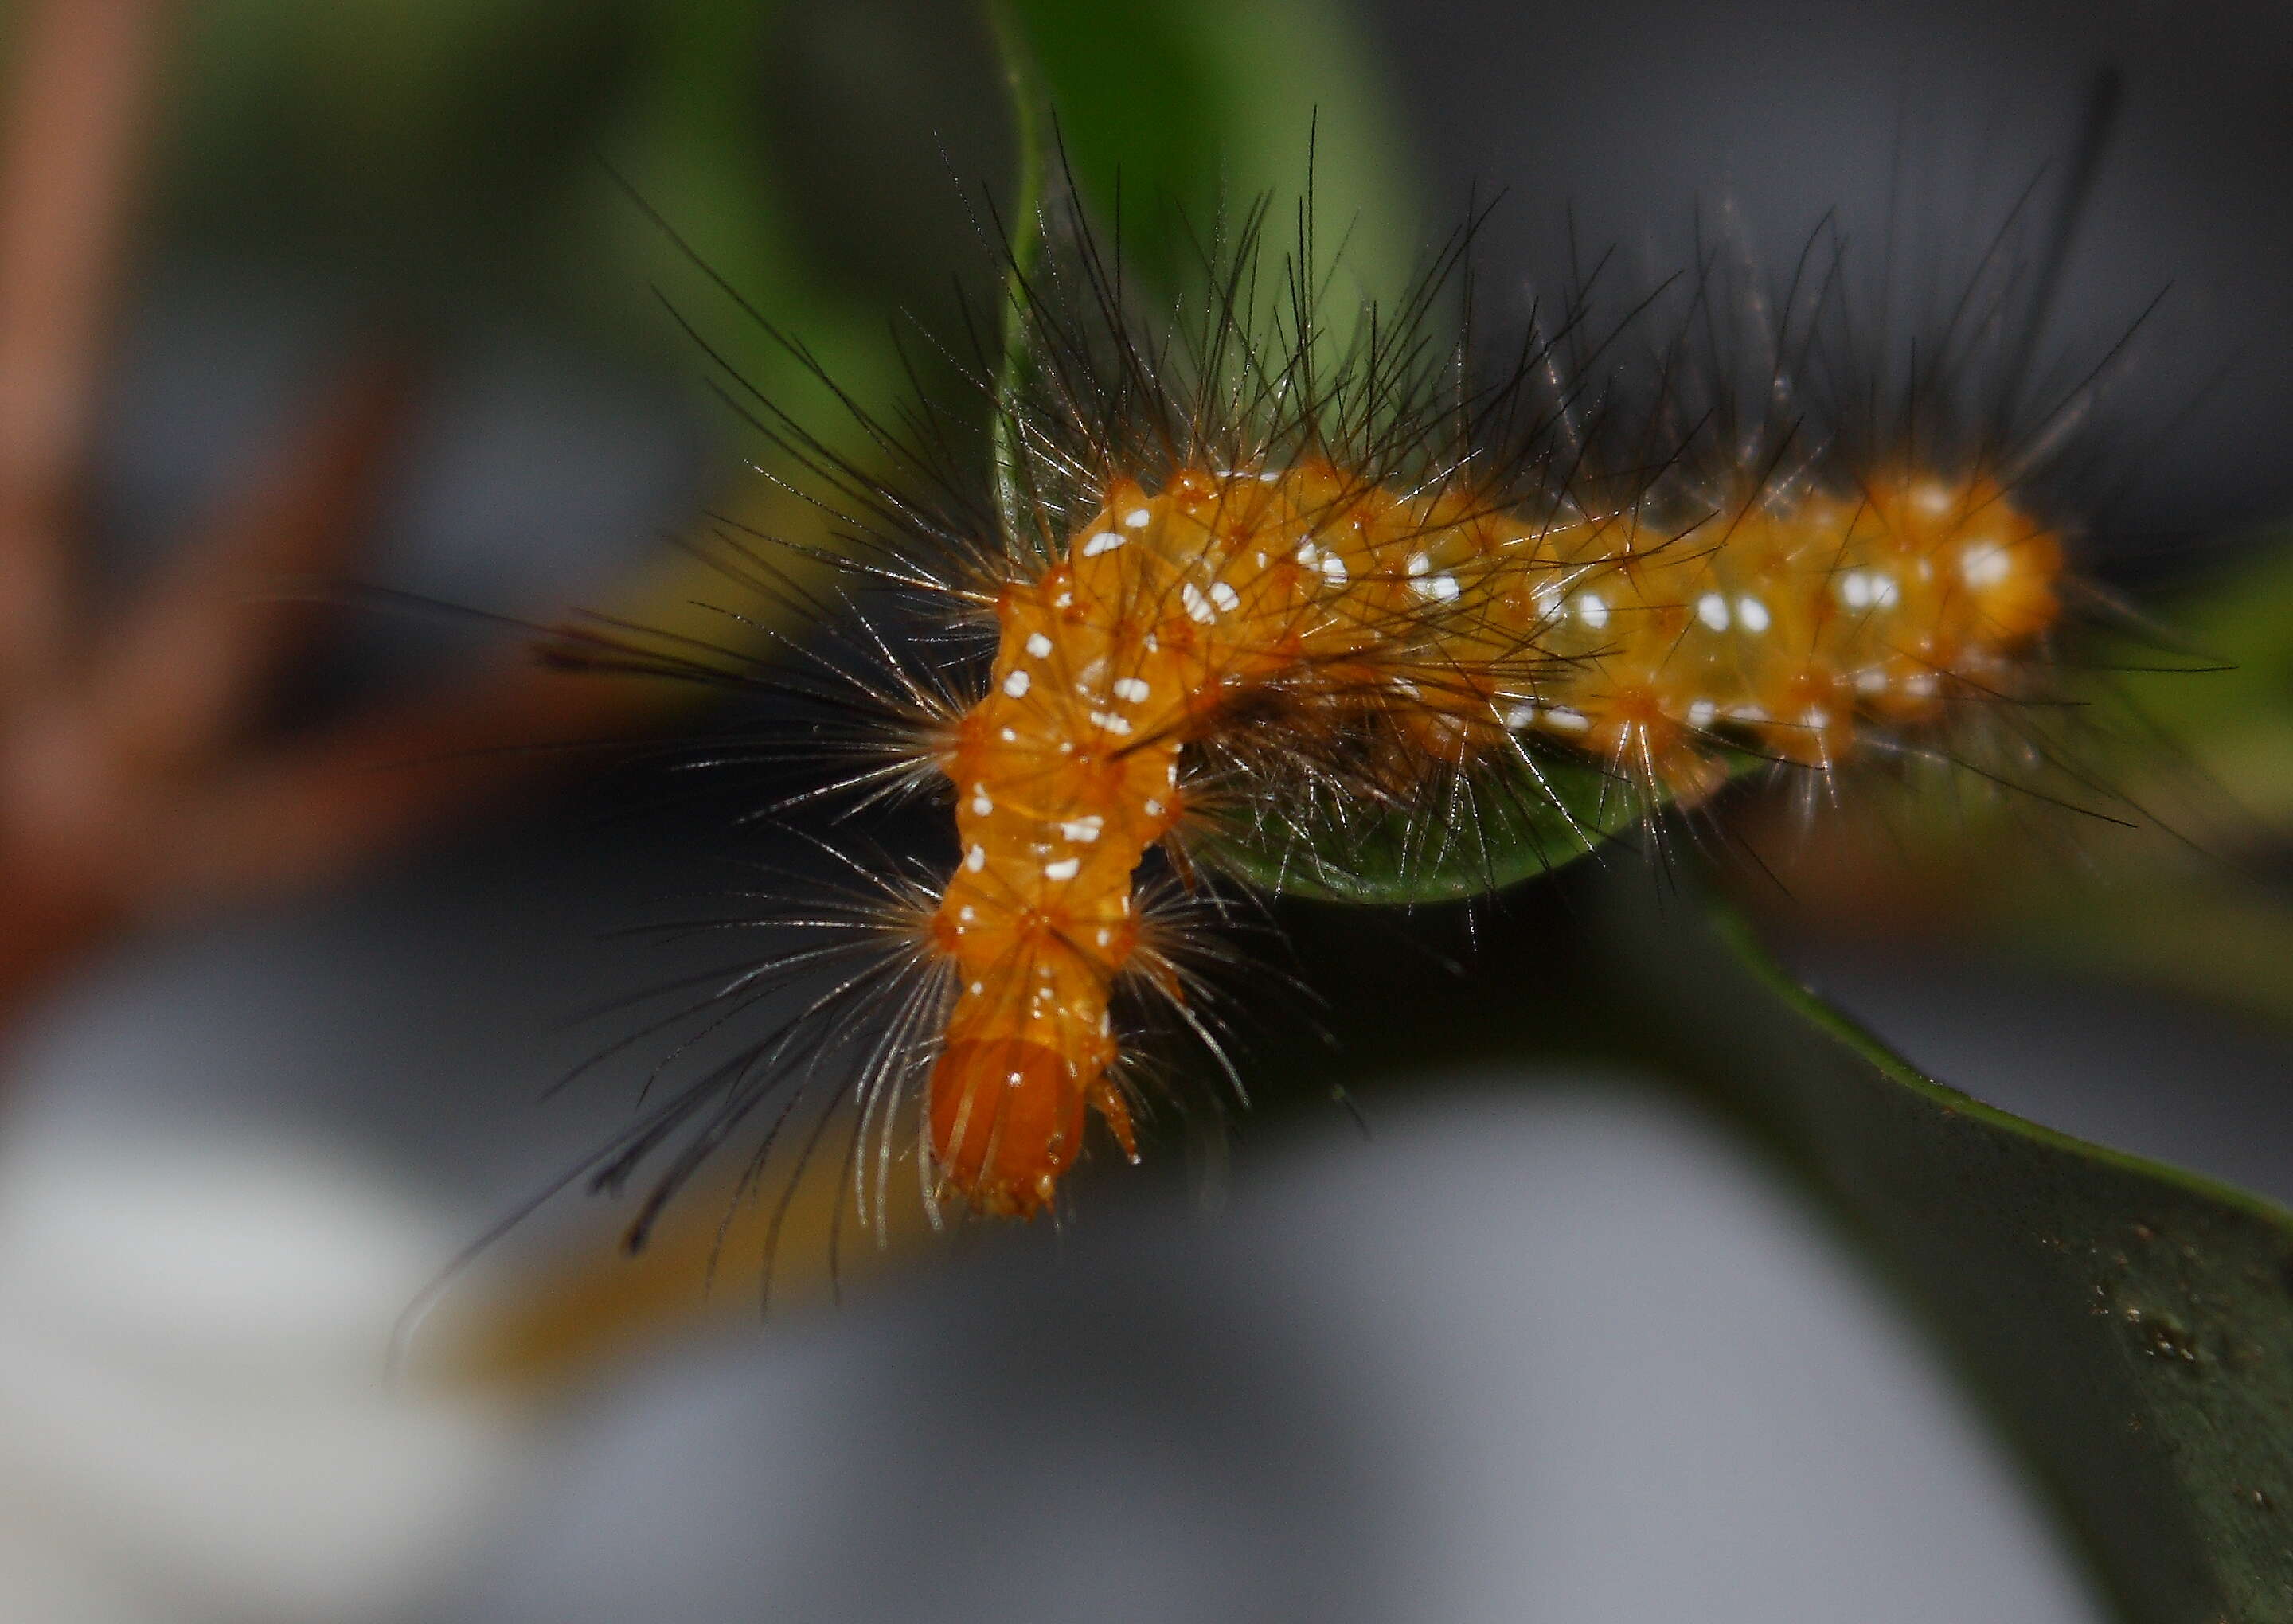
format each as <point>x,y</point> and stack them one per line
<point>1227,591</point>
<point>1242,592</point>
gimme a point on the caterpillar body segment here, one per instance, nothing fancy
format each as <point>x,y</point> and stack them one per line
<point>1791,628</point>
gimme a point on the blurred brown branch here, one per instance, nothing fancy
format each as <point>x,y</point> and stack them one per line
<point>135,783</point>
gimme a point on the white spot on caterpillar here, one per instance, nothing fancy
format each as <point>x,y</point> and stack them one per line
<point>1107,721</point>
<point>1039,645</point>
<point>1983,563</point>
<point>1567,719</point>
<point>977,987</point>
<point>1418,564</point>
<point>981,804</point>
<point>1592,609</point>
<point>1269,477</point>
<point>1105,541</point>
<point>1016,685</point>
<point>1441,588</point>
<point>1816,717</point>
<point>1137,519</point>
<point>1931,497</point>
<point>1066,868</point>
<point>1868,589</point>
<point>1874,681</point>
<point>1747,713</point>
<point>1333,569</point>
<point>1309,555</point>
<point>1225,596</point>
<point>1153,643</point>
<point>1131,688</point>
<point>1752,615</point>
<point>1104,935</point>
<point>1700,713</point>
<point>1154,809</point>
<point>1521,716</point>
<point>1712,609</point>
<point>1197,607</point>
<point>976,859</point>
<point>1010,735</point>
<point>1082,831</point>
<point>967,913</point>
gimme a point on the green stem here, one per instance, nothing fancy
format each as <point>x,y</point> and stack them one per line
<point>1024,88</point>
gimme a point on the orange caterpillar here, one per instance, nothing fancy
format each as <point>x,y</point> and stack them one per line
<point>1253,601</point>
<point>1790,628</point>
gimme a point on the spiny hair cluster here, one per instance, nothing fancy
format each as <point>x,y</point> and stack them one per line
<point>1260,588</point>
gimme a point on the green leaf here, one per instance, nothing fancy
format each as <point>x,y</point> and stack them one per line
<point>2130,1323</point>
<point>1517,819</point>
<point>2128,1326</point>
<point>1540,815</point>
<point>1179,109</point>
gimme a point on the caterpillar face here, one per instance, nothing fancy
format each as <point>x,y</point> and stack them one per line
<point>1452,624</point>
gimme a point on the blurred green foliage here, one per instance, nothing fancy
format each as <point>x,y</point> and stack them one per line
<point>456,160</point>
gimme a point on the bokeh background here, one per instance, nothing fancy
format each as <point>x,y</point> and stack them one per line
<point>1551,1339</point>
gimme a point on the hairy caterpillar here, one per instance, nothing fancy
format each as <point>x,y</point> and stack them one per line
<point>1431,628</point>
<point>1314,602</point>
